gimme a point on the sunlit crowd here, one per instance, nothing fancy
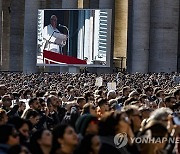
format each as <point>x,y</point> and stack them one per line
<point>66,113</point>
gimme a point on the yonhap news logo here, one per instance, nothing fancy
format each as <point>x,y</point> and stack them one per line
<point>120,140</point>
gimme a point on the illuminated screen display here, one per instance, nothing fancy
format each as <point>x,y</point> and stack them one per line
<point>78,37</point>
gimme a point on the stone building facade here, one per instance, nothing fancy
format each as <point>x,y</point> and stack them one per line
<point>145,33</point>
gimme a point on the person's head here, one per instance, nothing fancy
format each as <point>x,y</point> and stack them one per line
<point>129,101</point>
<point>163,115</point>
<point>3,90</point>
<point>52,99</point>
<point>139,91</point>
<point>53,93</point>
<point>27,93</point>
<point>90,144</point>
<point>53,21</point>
<point>42,104</point>
<point>143,98</point>
<point>102,88</point>
<point>160,94</point>
<point>148,90</point>
<point>64,136</point>
<point>22,106</point>
<point>156,90</point>
<point>134,94</point>
<point>111,95</point>
<point>3,117</point>
<point>170,101</point>
<point>135,117</point>
<point>6,101</point>
<point>21,94</point>
<point>113,123</point>
<point>123,123</point>
<point>34,103</point>
<point>126,91</point>
<point>87,124</point>
<point>41,138</point>
<point>89,108</point>
<point>50,107</point>
<point>103,104</point>
<point>145,112</point>
<point>89,96</point>
<point>8,135</point>
<point>22,126</point>
<point>40,93</point>
<point>154,130</point>
<point>15,95</point>
<point>113,103</point>
<point>81,101</point>
<point>100,93</point>
<point>70,90</point>
<point>108,124</point>
<point>33,116</point>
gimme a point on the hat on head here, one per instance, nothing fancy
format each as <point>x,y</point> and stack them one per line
<point>82,123</point>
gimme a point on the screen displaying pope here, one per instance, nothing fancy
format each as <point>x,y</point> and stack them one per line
<point>54,40</point>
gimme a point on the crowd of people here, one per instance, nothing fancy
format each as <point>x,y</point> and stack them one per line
<point>51,113</point>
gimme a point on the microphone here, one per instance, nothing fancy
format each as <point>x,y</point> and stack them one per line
<point>56,32</point>
<point>61,25</point>
<point>67,34</point>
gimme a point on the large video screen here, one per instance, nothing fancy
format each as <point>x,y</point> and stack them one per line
<point>78,37</point>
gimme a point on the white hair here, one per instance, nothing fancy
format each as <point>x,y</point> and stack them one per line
<point>161,113</point>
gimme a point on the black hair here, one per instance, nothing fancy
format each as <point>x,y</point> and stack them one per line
<point>157,89</point>
<point>58,132</point>
<point>87,94</point>
<point>41,100</point>
<point>40,93</point>
<point>48,101</point>
<point>86,144</point>
<point>32,100</point>
<point>5,132</point>
<point>158,131</point>
<point>102,101</point>
<point>129,101</point>
<point>108,123</point>
<point>148,88</point>
<point>79,99</point>
<point>158,93</point>
<point>34,145</point>
<point>86,108</point>
<point>30,113</point>
<point>60,94</point>
<point>15,95</point>
<point>125,88</point>
<point>168,99</point>
<point>26,92</point>
<point>19,122</point>
<point>130,109</point>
